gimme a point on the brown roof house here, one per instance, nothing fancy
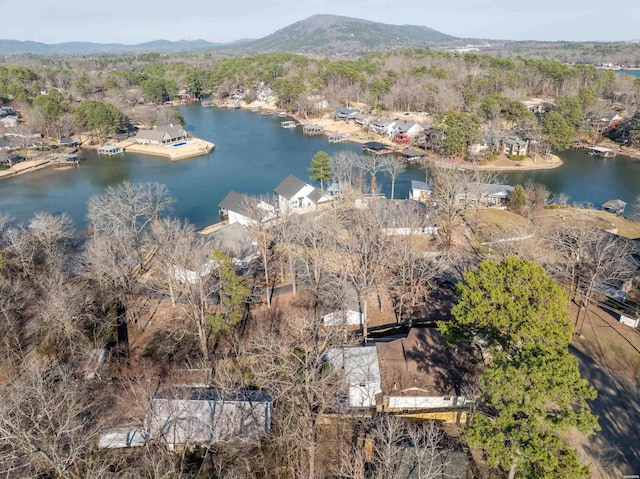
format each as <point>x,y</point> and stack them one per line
<point>423,379</point>
<point>162,135</point>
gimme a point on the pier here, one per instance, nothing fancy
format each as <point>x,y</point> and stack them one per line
<point>339,138</point>
<point>110,150</point>
<point>312,130</point>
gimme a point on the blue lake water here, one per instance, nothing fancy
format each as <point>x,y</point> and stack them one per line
<point>253,154</point>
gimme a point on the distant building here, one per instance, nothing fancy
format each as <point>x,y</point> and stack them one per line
<point>161,135</point>
<point>515,147</point>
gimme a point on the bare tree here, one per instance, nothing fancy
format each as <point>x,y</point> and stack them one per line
<point>403,449</point>
<point>475,183</point>
<point>394,167</point>
<point>448,194</point>
<point>291,361</point>
<point>366,253</point>
<point>48,425</point>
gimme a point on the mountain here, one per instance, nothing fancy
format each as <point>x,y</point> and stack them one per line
<point>332,34</point>
<point>17,47</point>
<point>319,34</point>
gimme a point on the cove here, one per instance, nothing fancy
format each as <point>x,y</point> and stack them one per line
<point>252,155</point>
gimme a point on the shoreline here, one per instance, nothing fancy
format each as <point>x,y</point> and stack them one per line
<point>29,166</point>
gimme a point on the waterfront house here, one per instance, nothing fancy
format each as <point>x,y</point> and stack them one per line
<point>515,147</point>
<point>317,101</point>
<point>69,142</point>
<point>346,113</point>
<point>361,373</point>
<point>360,119</point>
<point>488,194</point>
<point>421,378</point>
<point>203,417</point>
<point>379,125</point>
<point>161,135</point>
<point>9,121</point>
<point>244,209</point>
<point>604,122</point>
<point>405,127</point>
<point>296,194</point>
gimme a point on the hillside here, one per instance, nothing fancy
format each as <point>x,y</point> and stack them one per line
<point>17,47</point>
<point>332,34</point>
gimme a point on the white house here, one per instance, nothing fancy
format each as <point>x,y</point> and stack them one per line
<point>293,193</point>
<point>346,317</point>
<point>380,125</point>
<point>244,209</point>
<point>361,372</point>
<point>407,127</point>
<point>420,190</point>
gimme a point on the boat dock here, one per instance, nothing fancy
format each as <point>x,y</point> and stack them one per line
<point>339,138</point>
<point>110,150</point>
<point>602,151</point>
<point>288,124</point>
<point>312,130</point>
<point>376,148</point>
<point>68,159</point>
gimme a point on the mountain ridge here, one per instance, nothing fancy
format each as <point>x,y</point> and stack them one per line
<point>318,34</point>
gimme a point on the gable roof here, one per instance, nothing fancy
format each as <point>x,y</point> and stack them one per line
<point>174,131</point>
<point>290,186</point>
<point>246,205</point>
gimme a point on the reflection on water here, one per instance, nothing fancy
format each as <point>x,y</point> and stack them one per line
<point>253,154</point>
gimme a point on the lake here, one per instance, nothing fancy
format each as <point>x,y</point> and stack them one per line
<point>253,154</point>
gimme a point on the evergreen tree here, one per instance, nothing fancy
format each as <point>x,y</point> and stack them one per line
<point>517,199</point>
<point>320,168</point>
<point>531,390</point>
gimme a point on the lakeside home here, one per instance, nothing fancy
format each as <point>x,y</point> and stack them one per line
<point>162,135</point>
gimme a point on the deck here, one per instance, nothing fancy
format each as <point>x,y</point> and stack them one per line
<point>339,138</point>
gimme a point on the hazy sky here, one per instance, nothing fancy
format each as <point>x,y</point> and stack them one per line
<point>135,21</point>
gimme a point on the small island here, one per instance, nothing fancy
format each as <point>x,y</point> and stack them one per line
<point>169,141</point>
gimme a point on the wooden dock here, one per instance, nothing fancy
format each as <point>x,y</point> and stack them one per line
<point>339,138</point>
<point>312,130</point>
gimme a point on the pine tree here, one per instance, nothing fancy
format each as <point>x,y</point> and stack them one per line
<point>531,389</point>
<point>320,168</point>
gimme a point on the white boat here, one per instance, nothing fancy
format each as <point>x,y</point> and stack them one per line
<point>288,124</point>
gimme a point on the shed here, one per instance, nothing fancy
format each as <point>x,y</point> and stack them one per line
<point>614,206</point>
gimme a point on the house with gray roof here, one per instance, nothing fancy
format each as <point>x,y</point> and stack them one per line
<point>406,127</point>
<point>203,417</point>
<point>379,125</point>
<point>162,135</point>
<point>244,209</point>
<point>296,194</point>
<point>515,146</point>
